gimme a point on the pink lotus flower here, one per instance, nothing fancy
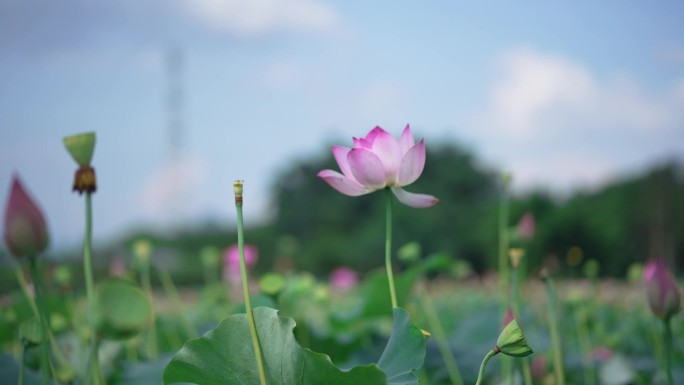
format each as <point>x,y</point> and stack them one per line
<point>661,289</point>
<point>526,227</point>
<point>231,260</point>
<point>25,231</point>
<point>343,279</point>
<point>378,161</point>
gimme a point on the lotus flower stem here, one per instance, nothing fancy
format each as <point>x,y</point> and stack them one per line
<point>245,284</point>
<point>504,279</point>
<point>44,348</point>
<point>388,247</point>
<point>480,375</point>
<point>440,338</point>
<point>553,325</point>
<point>90,290</point>
<point>667,341</point>
<point>584,341</point>
<point>515,302</point>
<point>503,244</point>
<point>172,293</point>
<point>22,358</point>
<point>146,283</point>
<point>59,354</point>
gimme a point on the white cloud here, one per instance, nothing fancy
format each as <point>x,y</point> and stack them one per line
<point>258,17</point>
<point>166,194</point>
<point>552,120</point>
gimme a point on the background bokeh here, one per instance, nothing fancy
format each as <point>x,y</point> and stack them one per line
<point>582,102</point>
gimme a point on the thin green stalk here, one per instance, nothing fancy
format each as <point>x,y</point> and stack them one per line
<point>503,250</point>
<point>388,247</point>
<point>555,335</point>
<point>172,293</point>
<point>146,283</point>
<point>90,290</point>
<point>527,372</point>
<point>44,348</point>
<point>585,344</point>
<point>22,368</point>
<point>441,340</point>
<point>506,362</point>
<point>667,341</point>
<point>245,286</point>
<point>56,349</point>
<point>480,375</point>
<point>515,301</point>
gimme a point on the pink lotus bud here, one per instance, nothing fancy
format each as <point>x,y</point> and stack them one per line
<point>343,279</point>
<point>526,227</point>
<point>661,289</point>
<point>25,231</point>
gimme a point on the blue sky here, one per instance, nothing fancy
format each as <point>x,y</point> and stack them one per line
<point>565,95</point>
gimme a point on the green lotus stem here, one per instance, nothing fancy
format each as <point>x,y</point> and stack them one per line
<point>480,375</point>
<point>515,301</point>
<point>388,247</point>
<point>90,290</point>
<point>245,284</point>
<point>440,337</point>
<point>506,363</point>
<point>555,336</point>
<point>667,341</point>
<point>44,348</point>
<point>527,372</point>
<point>172,293</point>
<point>146,283</point>
<point>585,346</point>
<point>22,366</point>
<point>56,349</point>
<point>503,248</point>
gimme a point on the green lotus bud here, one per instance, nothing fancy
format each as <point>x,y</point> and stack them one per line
<point>512,342</point>
<point>409,252</point>
<point>63,276</point>
<point>142,250</point>
<point>81,147</point>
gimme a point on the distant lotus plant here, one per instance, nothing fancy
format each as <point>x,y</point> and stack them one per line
<point>379,161</point>
<point>81,148</point>
<point>665,301</point>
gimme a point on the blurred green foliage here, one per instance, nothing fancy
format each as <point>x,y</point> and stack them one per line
<point>317,229</point>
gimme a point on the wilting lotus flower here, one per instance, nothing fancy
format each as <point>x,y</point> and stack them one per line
<point>343,278</point>
<point>378,161</point>
<point>661,289</point>
<point>231,260</point>
<point>25,232</point>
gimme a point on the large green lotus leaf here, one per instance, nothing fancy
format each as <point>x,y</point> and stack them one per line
<point>225,356</point>
<point>405,350</point>
<point>124,309</point>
